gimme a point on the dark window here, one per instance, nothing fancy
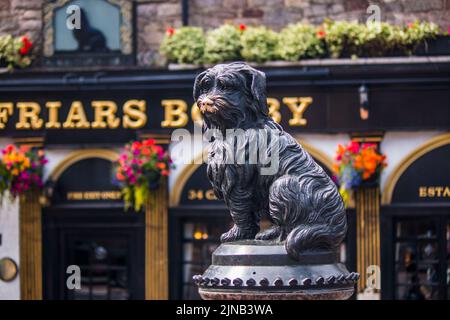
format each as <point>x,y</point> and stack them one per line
<point>199,241</point>
<point>421,253</point>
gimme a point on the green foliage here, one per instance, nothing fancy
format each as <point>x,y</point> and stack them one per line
<point>375,39</point>
<point>300,41</point>
<point>184,45</point>
<point>335,39</point>
<point>223,44</point>
<point>259,44</point>
<point>342,37</point>
<point>15,51</point>
<point>414,34</point>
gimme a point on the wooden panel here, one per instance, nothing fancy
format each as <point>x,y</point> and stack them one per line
<point>156,245</point>
<point>30,247</point>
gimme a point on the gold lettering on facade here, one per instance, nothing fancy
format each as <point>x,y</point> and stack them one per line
<point>298,106</point>
<point>29,116</point>
<point>94,195</point>
<point>200,194</point>
<point>434,191</point>
<point>76,117</point>
<point>274,109</point>
<point>175,115</point>
<point>134,116</point>
<point>105,115</point>
<point>6,110</point>
<point>196,115</point>
<point>53,119</point>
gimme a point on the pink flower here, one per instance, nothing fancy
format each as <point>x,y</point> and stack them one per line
<point>353,147</point>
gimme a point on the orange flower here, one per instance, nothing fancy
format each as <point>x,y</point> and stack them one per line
<point>145,151</point>
<point>321,34</point>
<point>366,175</point>
<point>120,176</point>
<point>161,165</point>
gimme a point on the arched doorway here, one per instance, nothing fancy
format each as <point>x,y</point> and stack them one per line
<point>86,233</point>
<point>416,225</point>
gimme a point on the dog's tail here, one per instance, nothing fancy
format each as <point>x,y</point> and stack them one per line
<point>313,206</point>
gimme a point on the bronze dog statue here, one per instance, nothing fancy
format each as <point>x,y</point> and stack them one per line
<point>302,201</point>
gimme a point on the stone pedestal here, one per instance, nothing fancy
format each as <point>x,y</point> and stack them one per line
<point>262,270</point>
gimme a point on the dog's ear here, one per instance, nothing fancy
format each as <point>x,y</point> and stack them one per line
<point>257,80</point>
<point>198,79</point>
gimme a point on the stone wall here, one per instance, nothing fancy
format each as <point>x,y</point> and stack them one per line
<point>155,16</point>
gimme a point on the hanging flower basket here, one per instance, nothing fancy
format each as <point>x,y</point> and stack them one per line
<point>358,165</point>
<point>21,170</point>
<point>139,170</point>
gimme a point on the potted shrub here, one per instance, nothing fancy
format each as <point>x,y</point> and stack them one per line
<point>416,37</point>
<point>223,44</point>
<point>301,41</point>
<point>183,46</point>
<point>259,44</point>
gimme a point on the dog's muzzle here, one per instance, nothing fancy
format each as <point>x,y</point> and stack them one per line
<point>206,105</point>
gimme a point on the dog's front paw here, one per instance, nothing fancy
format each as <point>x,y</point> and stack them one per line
<point>236,233</point>
<point>269,234</point>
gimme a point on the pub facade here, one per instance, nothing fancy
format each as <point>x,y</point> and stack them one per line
<point>81,109</point>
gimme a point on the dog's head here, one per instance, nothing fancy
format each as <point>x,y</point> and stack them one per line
<point>231,95</point>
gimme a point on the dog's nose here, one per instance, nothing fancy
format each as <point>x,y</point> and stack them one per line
<point>206,104</point>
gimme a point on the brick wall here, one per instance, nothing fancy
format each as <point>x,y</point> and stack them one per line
<point>155,16</point>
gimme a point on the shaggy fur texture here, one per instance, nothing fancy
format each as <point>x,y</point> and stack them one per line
<point>303,203</point>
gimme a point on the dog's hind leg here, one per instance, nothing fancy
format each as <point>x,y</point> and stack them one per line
<point>309,212</point>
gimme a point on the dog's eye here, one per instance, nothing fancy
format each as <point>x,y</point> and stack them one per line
<point>224,85</point>
<point>206,83</point>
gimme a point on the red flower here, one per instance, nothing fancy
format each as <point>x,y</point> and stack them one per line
<point>170,31</point>
<point>26,45</point>
<point>148,142</point>
<point>320,34</point>
<point>23,51</point>
<point>242,27</point>
<point>410,25</point>
<point>136,145</point>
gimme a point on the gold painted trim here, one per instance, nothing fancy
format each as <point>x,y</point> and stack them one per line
<point>317,154</point>
<point>183,177</point>
<point>188,170</point>
<point>160,138</point>
<point>81,155</point>
<point>393,178</point>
